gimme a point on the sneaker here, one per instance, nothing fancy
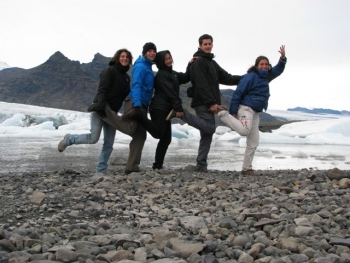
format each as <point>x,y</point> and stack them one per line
<point>62,145</point>
<point>250,172</point>
<point>172,114</point>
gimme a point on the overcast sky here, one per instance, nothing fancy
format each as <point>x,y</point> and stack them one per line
<point>315,33</point>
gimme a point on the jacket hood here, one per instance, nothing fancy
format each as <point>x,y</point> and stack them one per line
<point>143,60</point>
<point>160,60</point>
<point>201,53</point>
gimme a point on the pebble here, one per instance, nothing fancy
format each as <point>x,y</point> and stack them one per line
<point>175,216</point>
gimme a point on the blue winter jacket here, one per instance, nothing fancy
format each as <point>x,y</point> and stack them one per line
<point>253,88</point>
<point>142,82</point>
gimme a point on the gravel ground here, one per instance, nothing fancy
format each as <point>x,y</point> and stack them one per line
<point>175,216</point>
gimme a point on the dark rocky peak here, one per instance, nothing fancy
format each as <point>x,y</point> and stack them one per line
<point>94,68</point>
<point>98,58</point>
<point>58,57</point>
<point>58,63</point>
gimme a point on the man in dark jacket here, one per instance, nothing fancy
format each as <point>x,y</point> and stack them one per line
<point>206,75</point>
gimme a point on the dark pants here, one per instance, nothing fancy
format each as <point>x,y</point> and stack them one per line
<point>137,133</point>
<point>205,123</point>
<point>160,129</point>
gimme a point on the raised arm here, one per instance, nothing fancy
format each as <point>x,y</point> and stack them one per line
<point>279,68</point>
<point>282,51</point>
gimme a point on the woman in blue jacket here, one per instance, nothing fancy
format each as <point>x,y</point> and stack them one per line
<point>249,99</point>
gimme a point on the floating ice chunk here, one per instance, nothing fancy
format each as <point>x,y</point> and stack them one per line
<point>16,120</point>
<point>229,136</point>
<point>305,128</point>
<point>222,129</point>
<point>47,125</point>
<point>328,138</point>
<point>300,154</point>
<point>179,133</point>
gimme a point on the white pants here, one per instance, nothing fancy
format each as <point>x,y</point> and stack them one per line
<point>246,124</point>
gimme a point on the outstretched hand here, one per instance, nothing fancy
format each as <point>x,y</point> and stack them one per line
<point>282,51</point>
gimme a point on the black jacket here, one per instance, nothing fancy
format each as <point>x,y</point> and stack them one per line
<point>113,88</point>
<point>206,75</point>
<point>167,86</point>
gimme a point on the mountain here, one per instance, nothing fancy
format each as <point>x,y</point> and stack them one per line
<point>65,84</point>
<point>57,83</point>
<point>4,65</point>
<point>319,111</point>
<point>94,68</point>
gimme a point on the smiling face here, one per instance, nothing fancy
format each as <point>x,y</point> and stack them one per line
<point>207,45</point>
<point>124,59</point>
<point>168,60</point>
<point>151,54</point>
<point>263,65</point>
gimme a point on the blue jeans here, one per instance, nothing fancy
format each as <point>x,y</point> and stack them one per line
<point>96,124</point>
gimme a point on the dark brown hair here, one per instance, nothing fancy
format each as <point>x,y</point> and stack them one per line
<point>117,54</point>
<point>257,61</point>
<point>205,36</point>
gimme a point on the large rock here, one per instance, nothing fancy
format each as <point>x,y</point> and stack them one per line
<point>37,198</point>
<point>337,174</point>
<point>185,248</point>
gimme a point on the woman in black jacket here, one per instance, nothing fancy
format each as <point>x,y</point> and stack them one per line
<point>166,98</point>
<point>113,88</point>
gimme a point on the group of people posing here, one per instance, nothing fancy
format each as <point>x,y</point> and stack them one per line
<point>159,95</point>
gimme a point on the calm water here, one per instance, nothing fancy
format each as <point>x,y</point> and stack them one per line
<point>18,154</point>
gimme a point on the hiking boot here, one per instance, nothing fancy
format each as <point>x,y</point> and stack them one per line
<point>62,145</point>
<point>134,169</point>
<point>250,172</point>
<point>157,166</point>
<point>172,114</point>
<point>202,169</point>
<point>131,171</point>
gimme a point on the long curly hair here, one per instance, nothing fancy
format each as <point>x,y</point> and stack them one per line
<point>117,54</point>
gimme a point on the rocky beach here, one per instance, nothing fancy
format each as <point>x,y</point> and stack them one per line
<point>175,216</point>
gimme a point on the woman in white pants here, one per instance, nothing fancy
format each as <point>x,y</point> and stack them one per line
<point>248,100</point>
